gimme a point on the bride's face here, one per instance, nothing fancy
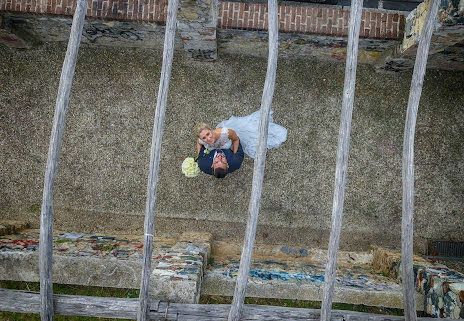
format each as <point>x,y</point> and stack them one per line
<point>206,135</point>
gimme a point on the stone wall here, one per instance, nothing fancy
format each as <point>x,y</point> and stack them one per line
<point>101,183</point>
<point>314,19</point>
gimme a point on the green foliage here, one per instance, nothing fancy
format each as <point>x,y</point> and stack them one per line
<point>34,208</point>
<point>62,241</point>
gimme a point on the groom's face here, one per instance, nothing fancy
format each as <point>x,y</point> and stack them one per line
<point>220,161</point>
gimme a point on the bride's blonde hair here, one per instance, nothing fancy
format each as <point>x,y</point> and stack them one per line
<point>200,127</point>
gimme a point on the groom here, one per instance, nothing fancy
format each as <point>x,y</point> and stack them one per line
<point>219,162</point>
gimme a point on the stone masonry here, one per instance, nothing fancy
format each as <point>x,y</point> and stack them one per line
<point>197,27</point>
<point>111,262</point>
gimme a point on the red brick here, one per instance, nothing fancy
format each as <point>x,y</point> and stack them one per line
<point>372,28</point>
<point>346,18</point>
<point>245,20</point>
<point>324,16</point>
<point>287,22</point>
<point>335,17</point>
<point>255,21</point>
<point>324,30</point>
<point>224,19</point>
<point>315,16</point>
<point>389,22</point>
<point>345,31</point>
<point>401,27</point>
<point>395,30</point>
<point>287,10</point>
<point>261,24</point>
<point>340,21</point>
<point>298,23</point>
<point>396,17</point>
<point>389,34</point>
<point>378,19</point>
<point>241,7</point>
<point>293,11</point>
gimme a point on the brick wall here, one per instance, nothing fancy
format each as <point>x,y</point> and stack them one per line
<point>331,21</point>
<point>131,10</point>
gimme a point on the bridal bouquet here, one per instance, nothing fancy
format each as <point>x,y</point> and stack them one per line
<point>190,166</point>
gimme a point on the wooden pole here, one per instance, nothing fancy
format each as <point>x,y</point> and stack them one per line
<point>155,152</point>
<point>259,164</point>
<point>46,218</point>
<point>408,164</point>
<point>342,157</point>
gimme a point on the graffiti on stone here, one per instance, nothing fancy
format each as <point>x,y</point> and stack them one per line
<point>95,32</point>
<point>202,54</point>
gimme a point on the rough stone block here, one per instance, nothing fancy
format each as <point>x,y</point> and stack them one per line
<point>8,227</point>
<point>201,50</point>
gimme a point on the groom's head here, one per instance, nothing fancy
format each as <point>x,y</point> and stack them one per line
<point>220,166</point>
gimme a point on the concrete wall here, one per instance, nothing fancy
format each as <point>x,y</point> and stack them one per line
<point>101,183</point>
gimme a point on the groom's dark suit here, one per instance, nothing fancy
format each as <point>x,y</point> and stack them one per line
<point>205,161</point>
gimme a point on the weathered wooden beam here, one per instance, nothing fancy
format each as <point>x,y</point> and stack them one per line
<point>342,157</point>
<point>259,165</point>
<point>157,136</point>
<point>46,218</point>
<point>29,302</point>
<point>407,225</point>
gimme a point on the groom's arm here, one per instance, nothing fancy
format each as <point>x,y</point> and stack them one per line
<point>205,161</point>
<point>236,159</point>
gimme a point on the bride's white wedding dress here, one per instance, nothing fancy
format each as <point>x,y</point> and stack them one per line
<point>246,128</point>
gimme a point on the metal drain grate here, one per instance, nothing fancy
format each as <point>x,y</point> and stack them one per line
<point>445,249</point>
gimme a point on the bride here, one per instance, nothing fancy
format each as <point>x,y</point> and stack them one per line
<point>229,133</point>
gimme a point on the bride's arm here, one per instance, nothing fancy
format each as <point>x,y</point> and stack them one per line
<point>235,140</point>
<point>198,147</point>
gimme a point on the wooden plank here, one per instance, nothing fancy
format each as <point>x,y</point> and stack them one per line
<point>160,111</point>
<point>342,156</point>
<point>29,302</point>
<point>259,165</point>
<point>46,218</point>
<point>407,226</point>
